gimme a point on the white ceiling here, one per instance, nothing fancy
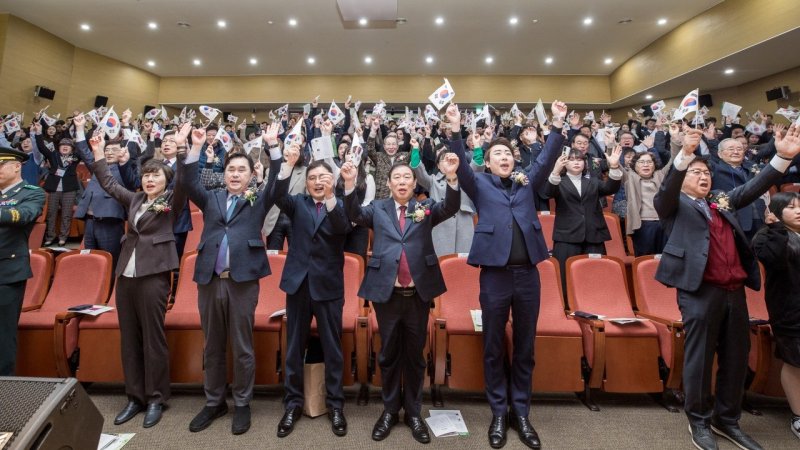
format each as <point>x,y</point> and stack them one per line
<point>472,30</point>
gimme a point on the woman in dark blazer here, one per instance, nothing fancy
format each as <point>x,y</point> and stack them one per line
<point>146,261</point>
<point>580,227</point>
<point>777,246</point>
<point>61,185</point>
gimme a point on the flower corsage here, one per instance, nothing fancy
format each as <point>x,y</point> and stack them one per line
<point>519,178</point>
<point>160,205</point>
<point>419,213</point>
<point>719,201</point>
<point>251,195</point>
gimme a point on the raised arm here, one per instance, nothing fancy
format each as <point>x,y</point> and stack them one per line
<point>540,169</point>
<point>667,199</point>
<point>361,215</point>
<point>107,181</point>
<point>466,176</point>
<point>445,209</point>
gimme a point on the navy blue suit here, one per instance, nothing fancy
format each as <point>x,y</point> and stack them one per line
<point>227,301</point>
<point>313,281</point>
<point>505,287</point>
<point>728,178</point>
<point>104,216</point>
<point>402,313</point>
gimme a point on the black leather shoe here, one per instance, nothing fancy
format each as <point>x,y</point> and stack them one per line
<point>207,416</point>
<point>418,428</point>
<point>153,414</point>
<point>384,425</point>
<point>338,422</point>
<point>702,437</point>
<point>129,412</point>
<point>527,434</point>
<point>497,431</point>
<point>735,434</point>
<point>241,419</point>
<point>290,417</point>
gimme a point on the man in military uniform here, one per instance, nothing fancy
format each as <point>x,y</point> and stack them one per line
<point>20,205</point>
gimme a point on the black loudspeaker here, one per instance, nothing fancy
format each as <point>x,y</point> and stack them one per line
<point>100,101</point>
<point>48,413</point>
<point>779,93</point>
<point>705,100</point>
<point>147,109</point>
<point>43,92</point>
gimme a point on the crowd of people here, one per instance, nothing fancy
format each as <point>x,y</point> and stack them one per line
<point>426,185</point>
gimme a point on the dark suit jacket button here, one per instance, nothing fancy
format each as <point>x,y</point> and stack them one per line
<point>509,226</point>
<point>314,240</point>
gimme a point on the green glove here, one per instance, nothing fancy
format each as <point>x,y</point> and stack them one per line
<point>415,159</point>
<point>477,155</point>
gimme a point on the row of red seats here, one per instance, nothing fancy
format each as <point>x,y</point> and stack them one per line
<point>573,354</point>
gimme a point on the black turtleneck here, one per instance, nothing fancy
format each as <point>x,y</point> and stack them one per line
<point>519,252</point>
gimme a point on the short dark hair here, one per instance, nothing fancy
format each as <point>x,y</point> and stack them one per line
<point>212,127</point>
<point>579,135</point>
<point>231,156</point>
<point>703,160</point>
<point>319,163</point>
<point>499,141</point>
<point>399,164</point>
<point>154,165</point>
<point>780,201</point>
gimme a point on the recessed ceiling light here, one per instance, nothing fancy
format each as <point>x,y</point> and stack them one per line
<point>292,22</point>
<point>662,21</point>
<point>368,60</point>
<point>439,20</point>
<point>588,21</point>
<point>311,60</point>
<point>85,27</point>
<point>548,60</point>
<point>648,97</point>
<point>197,62</point>
<point>253,61</point>
<point>429,60</point>
<point>608,61</point>
<point>729,71</point>
<point>269,22</point>
<point>151,63</point>
<point>513,21</point>
<point>489,60</point>
<point>152,26</point>
<point>222,23</point>
<point>362,21</point>
<point>535,20</point>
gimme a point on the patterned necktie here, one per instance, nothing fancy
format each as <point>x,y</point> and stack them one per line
<point>403,272</point>
<point>704,207</point>
<point>222,256</point>
<point>319,208</point>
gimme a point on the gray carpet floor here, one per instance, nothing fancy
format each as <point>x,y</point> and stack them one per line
<point>623,422</point>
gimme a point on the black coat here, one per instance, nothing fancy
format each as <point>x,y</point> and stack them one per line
<point>783,278</point>
<point>579,216</point>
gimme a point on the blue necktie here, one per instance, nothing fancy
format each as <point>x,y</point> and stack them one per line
<point>222,264</point>
<point>704,207</point>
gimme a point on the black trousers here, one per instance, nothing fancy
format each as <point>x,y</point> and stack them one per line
<point>505,290</point>
<point>104,234</point>
<point>141,306</point>
<point>300,308</point>
<point>11,295</point>
<point>649,239</point>
<point>403,323</point>
<point>716,321</point>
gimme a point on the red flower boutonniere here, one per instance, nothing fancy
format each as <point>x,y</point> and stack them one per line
<point>419,213</point>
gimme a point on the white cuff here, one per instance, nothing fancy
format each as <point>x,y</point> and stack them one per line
<point>554,180</point>
<point>615,174</point>
<point>191,158</point>
<point>349,191</point>
<point>682,161</point>
<point>330,203</point>
<point>275,153</point>
<point>286,171</point>
<point>780,164</point>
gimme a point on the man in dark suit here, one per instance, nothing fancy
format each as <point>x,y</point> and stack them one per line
<point>20,205</point>
<point>231,259</point>
<point>104,216</point>
<point>732,171</point>
<point>402,278</point>
<point>314,285</point>
<point>709,260</point>
<point>508,244</point>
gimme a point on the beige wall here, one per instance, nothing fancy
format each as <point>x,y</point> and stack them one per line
<point>750,96</point>
<point>719,32</point>
<point>301,89</point>
<point>31,56</point>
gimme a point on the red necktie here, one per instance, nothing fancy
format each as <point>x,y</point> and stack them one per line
<point>403,272</point>
<point>319,208</point>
